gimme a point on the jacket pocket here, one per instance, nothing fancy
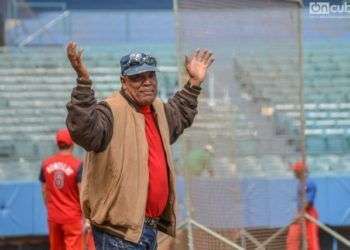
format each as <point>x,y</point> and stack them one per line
<point>129,205</point>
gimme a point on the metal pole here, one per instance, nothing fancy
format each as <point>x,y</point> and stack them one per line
<point>127,26</point>
<point>216,235</point>
<point>2,22</point>
<point>9,9</point>
<point>302,117</point>
<point>190,235</point>
<point>15,9</point>
<point>178,45</point>
<point>243,241</point>
<point>328,230</point>
<point>211,89</point>
<point>272,237</point>
<point>180,83</point>
<point>252,239</point>
<point>188,197</point>
<point>301,83</point>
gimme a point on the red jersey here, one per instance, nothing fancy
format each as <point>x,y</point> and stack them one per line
<point>61,174</point>
<point>158,187</point>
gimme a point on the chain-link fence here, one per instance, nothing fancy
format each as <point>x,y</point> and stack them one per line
<point>276,95</point>
<point>236,156</point>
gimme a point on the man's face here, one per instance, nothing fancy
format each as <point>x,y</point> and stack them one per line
<point>142,88</point>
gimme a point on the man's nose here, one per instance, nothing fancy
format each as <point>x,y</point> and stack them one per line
<point>148,81</point>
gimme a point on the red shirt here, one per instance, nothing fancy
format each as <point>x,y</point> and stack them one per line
<point>61,173</point>
<point>158,188</point>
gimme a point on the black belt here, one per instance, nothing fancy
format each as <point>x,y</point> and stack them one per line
<point>152,222</point>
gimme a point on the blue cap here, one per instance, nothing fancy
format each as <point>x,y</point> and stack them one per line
<point>137,63</point>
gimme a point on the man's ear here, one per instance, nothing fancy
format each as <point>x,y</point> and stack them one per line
<point>122,81</point>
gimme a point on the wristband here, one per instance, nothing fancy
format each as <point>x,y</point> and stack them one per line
<point>82,81</point>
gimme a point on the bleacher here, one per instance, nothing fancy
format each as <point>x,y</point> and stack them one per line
<point>35,86</point>
<point>326,96</point>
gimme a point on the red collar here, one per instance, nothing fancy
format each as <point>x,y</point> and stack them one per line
<point>146,110</point>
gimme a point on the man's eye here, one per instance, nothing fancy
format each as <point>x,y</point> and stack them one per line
<point>135,78</point>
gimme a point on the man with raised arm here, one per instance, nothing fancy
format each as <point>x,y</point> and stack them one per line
<point>128,184</point>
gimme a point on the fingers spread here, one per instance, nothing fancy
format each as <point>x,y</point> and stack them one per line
<point>196,54</point>
<point>210,61</point>
<point>207,56</point>
<point>204,55</point>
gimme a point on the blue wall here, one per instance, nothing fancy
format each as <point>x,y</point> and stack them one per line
<point>21,209</point>
<point>265,204</point>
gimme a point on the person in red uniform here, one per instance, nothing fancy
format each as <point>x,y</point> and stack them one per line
<point>294,236</point>
<point>60,176</point>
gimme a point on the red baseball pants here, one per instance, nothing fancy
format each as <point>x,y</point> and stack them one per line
<point>295,233</point>
<point>66,236</point>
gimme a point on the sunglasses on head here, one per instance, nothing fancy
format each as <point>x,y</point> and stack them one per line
<point>139,59</point>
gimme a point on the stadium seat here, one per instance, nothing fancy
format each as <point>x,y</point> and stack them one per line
<point>273,164</point>
<point>248,166</point>
<point>26,149</point>
<point>315,144</point>
<point>246,147</point>
<point>322,163</point>
<point>7,149</point>
<point>45,148</point>
<point>335,144</point>
<point>344,164</point>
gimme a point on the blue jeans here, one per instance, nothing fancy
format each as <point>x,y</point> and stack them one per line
<point>106,241</point>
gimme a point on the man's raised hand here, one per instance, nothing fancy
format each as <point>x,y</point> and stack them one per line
<point>76,60</point>
<point>197,65</point>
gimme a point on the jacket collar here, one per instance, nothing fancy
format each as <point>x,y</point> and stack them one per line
<point>130,100</point>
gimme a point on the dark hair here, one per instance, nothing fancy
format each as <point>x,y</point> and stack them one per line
<point>63,146</point>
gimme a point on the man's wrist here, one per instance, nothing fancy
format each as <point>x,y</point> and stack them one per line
<point>193,90</point>
<point>195,87</point>
<point>194,83</point>
<point>84,81</point>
